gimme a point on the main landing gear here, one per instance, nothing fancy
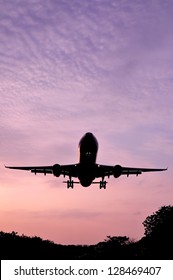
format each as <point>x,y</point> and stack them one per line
<point>70,184</point>
<point>103,184</point>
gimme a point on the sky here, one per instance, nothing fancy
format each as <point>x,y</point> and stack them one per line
<point>69,67</point>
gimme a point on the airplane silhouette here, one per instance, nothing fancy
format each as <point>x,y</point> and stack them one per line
<point>87,170</point>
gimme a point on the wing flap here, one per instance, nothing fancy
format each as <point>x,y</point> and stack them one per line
<point>45,171</point>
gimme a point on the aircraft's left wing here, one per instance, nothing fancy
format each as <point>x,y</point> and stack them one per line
<point>118,170</point>
<point>56,169</point>
<point>131,170</point>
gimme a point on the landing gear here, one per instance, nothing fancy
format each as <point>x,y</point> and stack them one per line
<point>70,184</point>
<point>103,184</point>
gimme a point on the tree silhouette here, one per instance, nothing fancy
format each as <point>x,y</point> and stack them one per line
<point>159,234</point>
<point>160,223</point>
<point>113,247</point>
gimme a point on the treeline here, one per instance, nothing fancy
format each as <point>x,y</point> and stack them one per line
<point>157,243</point>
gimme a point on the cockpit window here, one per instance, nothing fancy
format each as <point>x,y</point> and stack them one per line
<point>88,153</point>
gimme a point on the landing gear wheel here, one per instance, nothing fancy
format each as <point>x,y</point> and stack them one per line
<point>70,184</point>
<point>102,184</point>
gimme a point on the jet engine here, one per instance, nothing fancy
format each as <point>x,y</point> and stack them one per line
<point>56,170</point>
<point>117,171</point>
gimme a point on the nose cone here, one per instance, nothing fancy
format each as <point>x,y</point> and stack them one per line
<point>89,134</point>
<point>88,141</point>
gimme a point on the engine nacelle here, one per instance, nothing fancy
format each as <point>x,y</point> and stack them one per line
<point>56,170</point>
<point>117,171</point>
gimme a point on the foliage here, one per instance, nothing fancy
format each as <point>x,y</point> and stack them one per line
<point>119,240</point>
<point>160,223</point>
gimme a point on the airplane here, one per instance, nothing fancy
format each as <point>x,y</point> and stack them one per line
<point>86,170</point>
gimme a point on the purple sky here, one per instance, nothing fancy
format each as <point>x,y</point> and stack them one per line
<point>68,67</point>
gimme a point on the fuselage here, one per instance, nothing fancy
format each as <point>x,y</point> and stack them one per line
<point>88,147</point>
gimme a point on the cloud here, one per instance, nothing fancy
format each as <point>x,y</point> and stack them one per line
<point>92,67</point>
